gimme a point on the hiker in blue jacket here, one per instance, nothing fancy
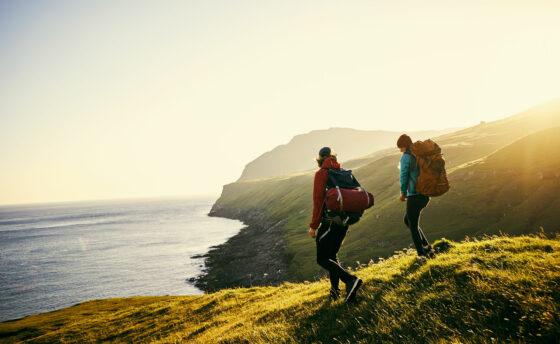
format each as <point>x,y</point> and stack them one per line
<point>415,202</point>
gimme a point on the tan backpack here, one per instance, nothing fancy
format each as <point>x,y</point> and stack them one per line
<point>432,180</point>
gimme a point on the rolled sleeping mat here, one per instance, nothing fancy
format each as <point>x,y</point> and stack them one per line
<point>350,200</point>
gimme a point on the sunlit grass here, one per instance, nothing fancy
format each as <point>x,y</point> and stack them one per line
<point>499,289</point>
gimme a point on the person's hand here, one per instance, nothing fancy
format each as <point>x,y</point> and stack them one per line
<point>312,232</point>
<point>403,197</point>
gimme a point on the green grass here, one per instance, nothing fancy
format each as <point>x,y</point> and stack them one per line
<point>499,289</point>
<point>495,171</point>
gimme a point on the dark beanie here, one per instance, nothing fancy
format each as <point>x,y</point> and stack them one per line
<point>324,152</point>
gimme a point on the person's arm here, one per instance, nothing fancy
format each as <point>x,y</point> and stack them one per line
<point>319,185</point>
<point>405,173</point>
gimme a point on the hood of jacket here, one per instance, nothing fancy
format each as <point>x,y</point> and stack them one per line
<point>330,163</point>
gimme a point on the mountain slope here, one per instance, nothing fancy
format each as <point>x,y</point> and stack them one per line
<point>516,187</point>
<point>495,290</point>
<point>298,154</point>
<point>466,210</point>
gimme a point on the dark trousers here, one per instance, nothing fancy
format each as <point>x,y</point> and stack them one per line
<point>328,240</point>
<point>414,206</point>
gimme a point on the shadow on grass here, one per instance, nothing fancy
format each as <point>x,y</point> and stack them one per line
<point>340,322</point>
<point>443,302</point>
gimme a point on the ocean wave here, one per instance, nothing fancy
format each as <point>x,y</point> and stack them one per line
<point>69,224</point>
<point>53,218</point>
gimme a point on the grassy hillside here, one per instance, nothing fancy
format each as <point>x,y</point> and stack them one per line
<point>491,191</point>
<point>497,290</point>
<point>297,155</point>
<point>514,190</point>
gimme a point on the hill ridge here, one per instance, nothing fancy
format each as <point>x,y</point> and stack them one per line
<point>297,155</point>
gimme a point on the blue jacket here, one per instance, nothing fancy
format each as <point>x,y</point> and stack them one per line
<point>409,174</point>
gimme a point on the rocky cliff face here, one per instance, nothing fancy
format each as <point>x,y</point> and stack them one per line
<point>255,256</point>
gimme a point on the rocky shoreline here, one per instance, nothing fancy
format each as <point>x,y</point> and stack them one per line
<point>253,257</point>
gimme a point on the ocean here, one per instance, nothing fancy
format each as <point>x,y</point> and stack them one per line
<point>56,255</point>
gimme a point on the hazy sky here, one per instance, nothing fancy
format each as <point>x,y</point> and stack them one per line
<point>115,99</point>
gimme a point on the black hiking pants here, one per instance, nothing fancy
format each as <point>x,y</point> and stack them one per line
<point>414,206</point>
<point>329,239</point>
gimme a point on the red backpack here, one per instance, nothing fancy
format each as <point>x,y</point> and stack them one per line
<point>345,194</point>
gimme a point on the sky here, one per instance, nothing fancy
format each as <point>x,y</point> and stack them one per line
<point>126,99</point>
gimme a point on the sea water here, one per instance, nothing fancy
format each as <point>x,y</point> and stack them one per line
<point>56,255</point>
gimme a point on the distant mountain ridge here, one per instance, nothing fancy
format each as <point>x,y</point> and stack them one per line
<point>298,154</point>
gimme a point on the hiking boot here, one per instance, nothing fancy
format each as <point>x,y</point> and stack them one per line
<point>421,259</point>
<point>429,251</point>
<point>334,294</point>
<point>352,289</point>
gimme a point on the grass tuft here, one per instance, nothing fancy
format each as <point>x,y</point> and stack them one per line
<point>442,245</point>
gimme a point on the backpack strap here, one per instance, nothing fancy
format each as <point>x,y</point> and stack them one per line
<point>339,198</point>
<point>412,156</point>
<point>331,178</point>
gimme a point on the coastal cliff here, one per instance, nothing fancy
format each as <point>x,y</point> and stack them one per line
<point>255,256</point>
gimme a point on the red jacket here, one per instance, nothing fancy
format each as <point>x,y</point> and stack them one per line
<point>319,190</point>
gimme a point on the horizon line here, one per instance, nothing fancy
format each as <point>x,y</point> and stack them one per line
<point>118,199</point>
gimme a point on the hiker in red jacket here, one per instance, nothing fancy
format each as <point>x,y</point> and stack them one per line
<point>329,235</point>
